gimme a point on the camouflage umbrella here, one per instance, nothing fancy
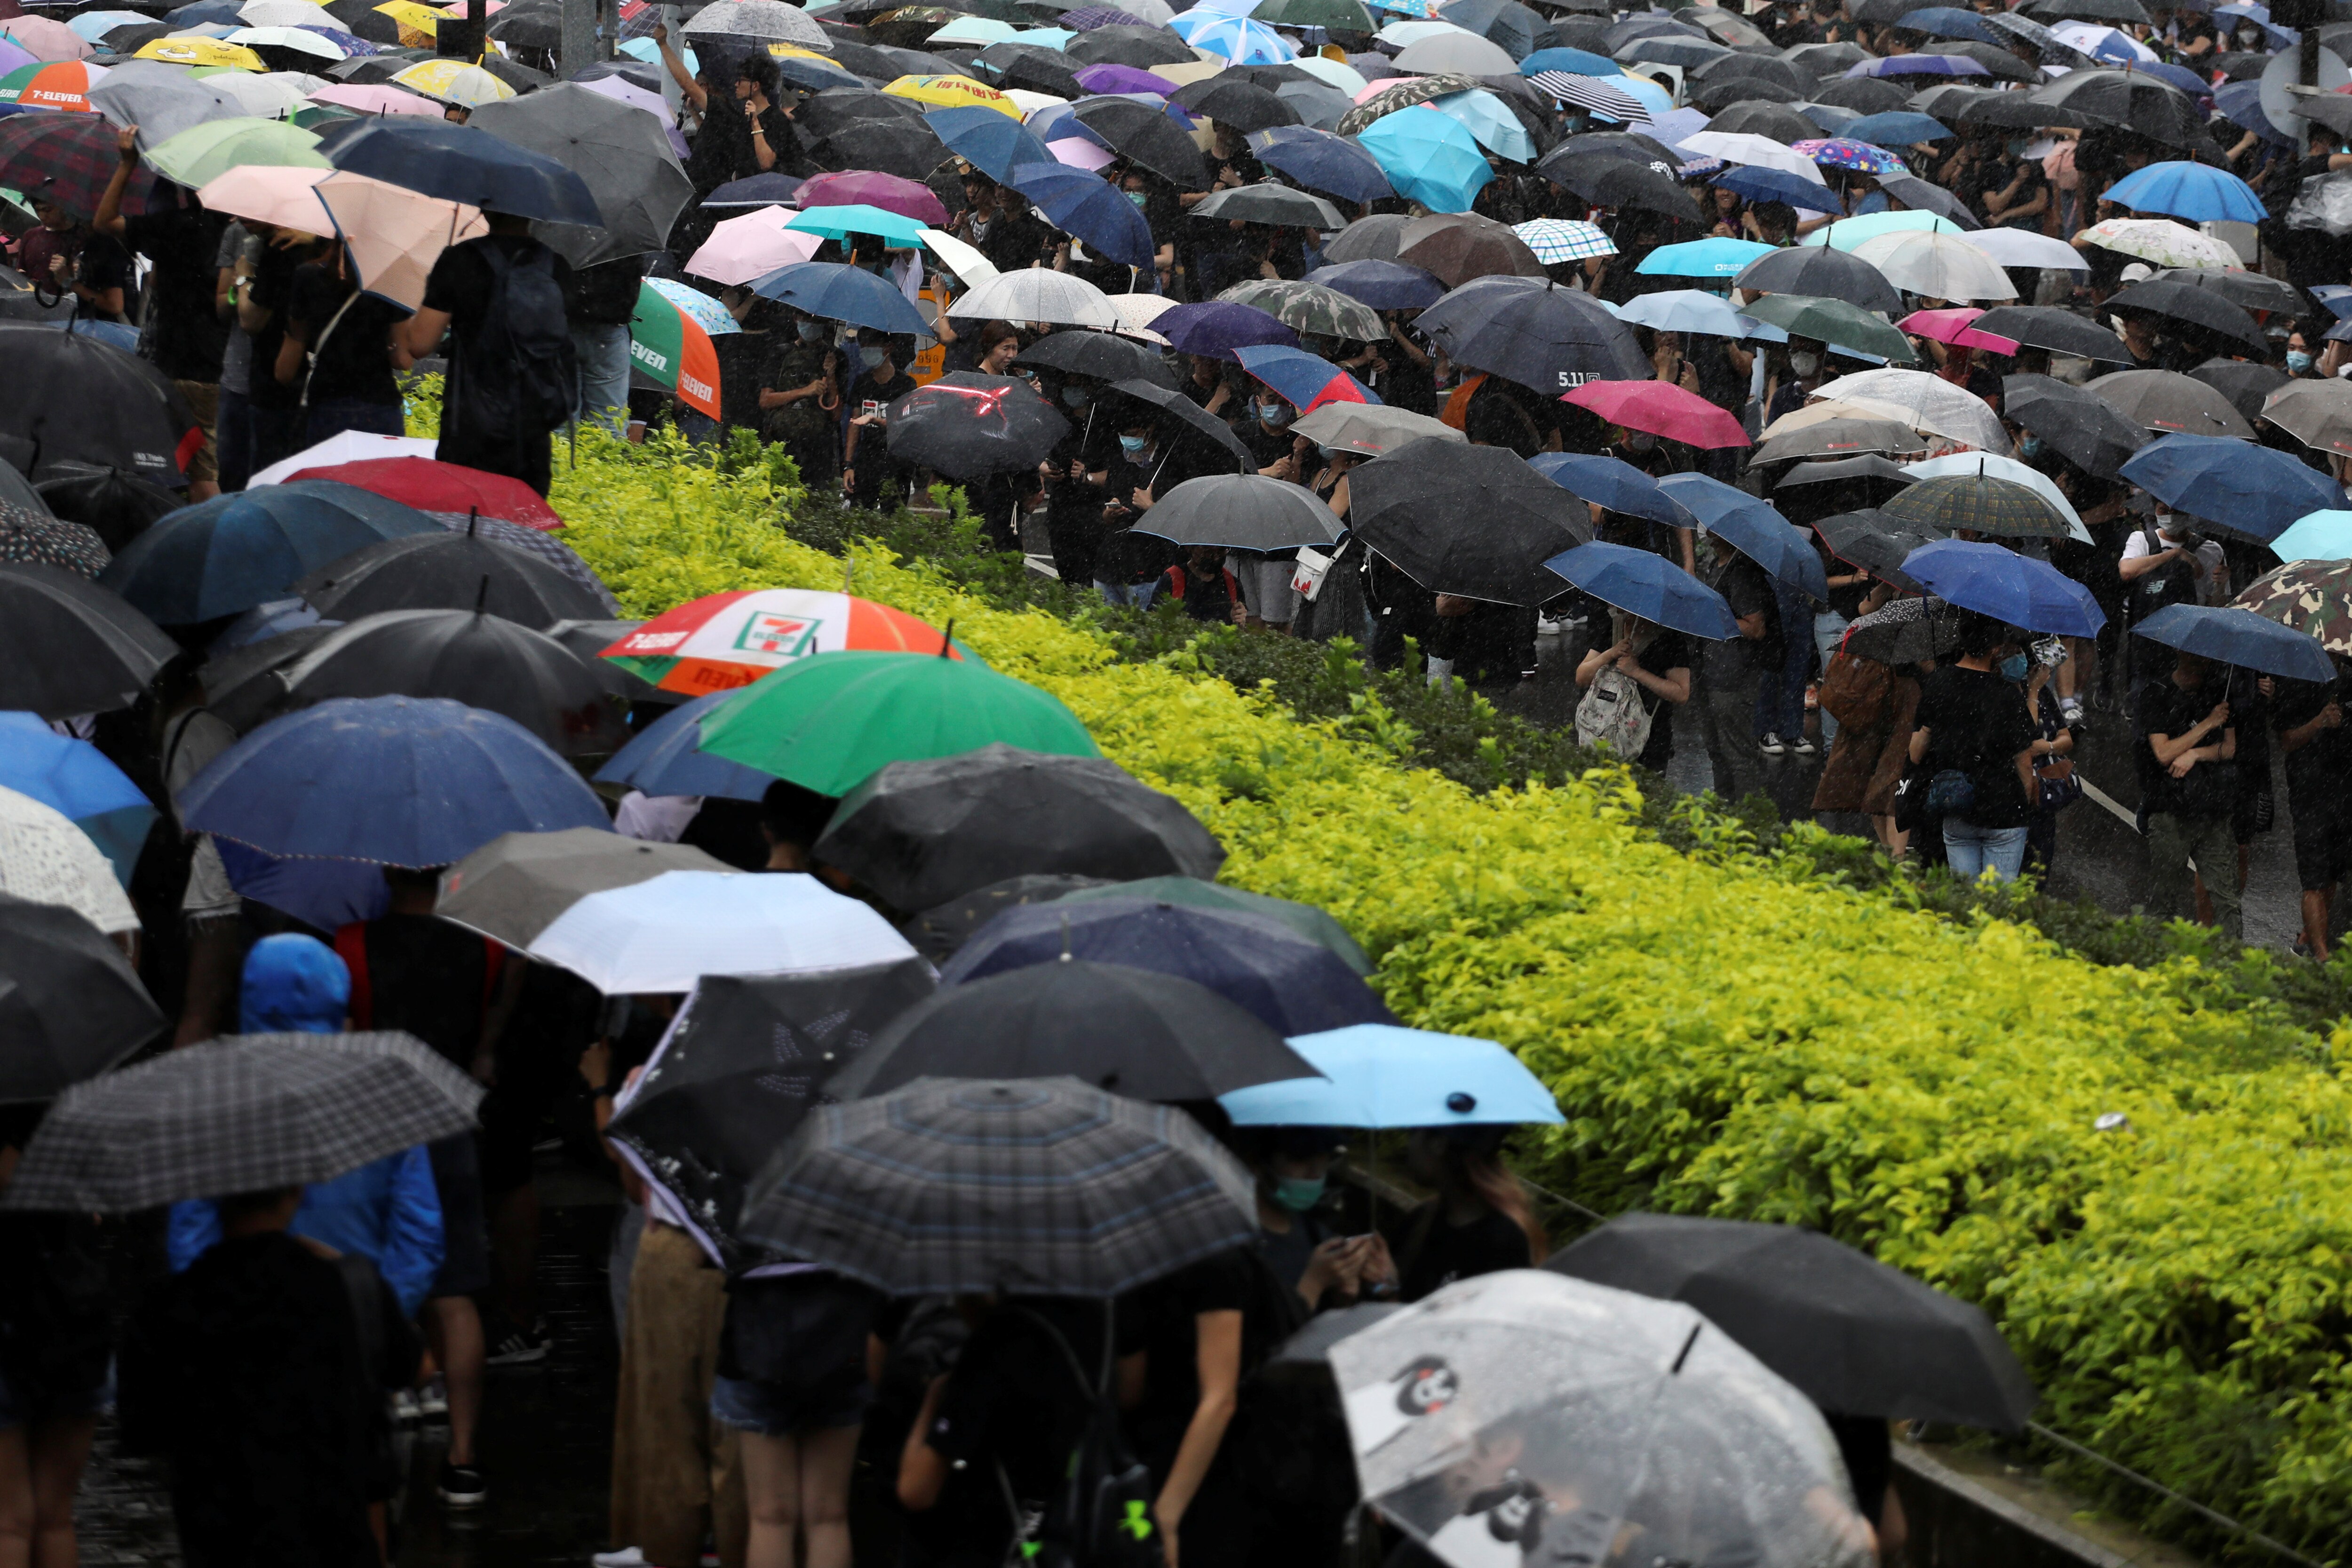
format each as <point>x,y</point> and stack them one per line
<point>1310,308</point>
<point>1997,508</point>
<point>2313,597</point>
<point>1403,95</point>
<point>29,535</point>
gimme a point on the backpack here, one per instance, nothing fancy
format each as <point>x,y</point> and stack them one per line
<point>1103,1517</point>
<point>521,377</point>
<point>1612,712</point>
<point>2174,584</point>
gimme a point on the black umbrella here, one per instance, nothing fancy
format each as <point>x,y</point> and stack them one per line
<point>920,834</point>
<point>1136,1032</point>
<point>1245,105</point>
<point>2084,428</point>
<point>1875,542</point>
<point>1139,46</point>
<point>1864,95</point>
<point>1778,122</point>
<point>938,931</point>
<point>1144,134</point>
<point>363,20</point>
<point>1469,520</point>
<point>621,151</point>
<point>2243,382</point>
<point>78,400</point>
<point>68,646</point>
<point>1534,332</point>
<point>1614,184</point>
<point>521,78</point>
<point>1513,27</point>
<point>966,424</point>
<point>2169,403</point>
<point>1722,94</point>
<point>739,1069</point>
<point>459,163</point>
<point>837,109</point>
<point>1997,62</point>
<point>1100,355</point>
<point>909,148</point>
<point>1374,238</point>
<point>2131,101</point>
<point>368,69</point>
<point>70,1005</point>
<point>1030,69</point>
<point>1460,246</point>
<point>2016,112</point>
<point>2247,291</point>
<point>1824,273</point>
<point>2061,331</point>
<point>1278,206</point>
<point>2193,306</point>
<point>1877,476</point>
<point>475,658</point>
<point>115,504</point>
<point>245,687</point>
<point>1855,1336</point>
<point>1240,511</point>
<point>1906,631</point>
<point>448,571</point>
<point>528,29</point>
<point>1629,146</point>
<point>1922,197</point>
<point>1191,414</point>
<point>1294,985</point>
<point>1746,67</point>
<point>2117,12</point>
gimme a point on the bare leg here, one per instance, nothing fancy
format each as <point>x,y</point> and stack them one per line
<point>2204,901</point>
<point>826,1459</point>
<point>59,1451</point>
<point>454,1326</point>
<point>514,1253</point>
<point>16,1508</point>
<point>2315,902</point>
<point>799,1487</point>
<point>773,1489</point>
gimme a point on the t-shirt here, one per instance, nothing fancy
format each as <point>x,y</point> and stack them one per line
<point>2034,181</point>
<point>1431,1253</point>
<point>1747,589</point>
<point>1978,723</point>
<point>105,265</point>
<point>1012,240</point>
<point>183,244</point>
<point>461,282</point>
<point>353,360</point>
<point>874,394</point>
<point>270,288</point>
<point>2168,708</point>
<point>1159,1319</point>
<point>424,977</point>
<point>2318,772</point>
<point>606,293</point>
<point>1289,1252</point>
<point>2213,571</point>
<point>1669,650</point>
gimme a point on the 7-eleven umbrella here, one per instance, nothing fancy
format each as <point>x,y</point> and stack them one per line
<point>58,84</point>
<point>670,341</point>
<point>732,639</point>
<point>395,235</point>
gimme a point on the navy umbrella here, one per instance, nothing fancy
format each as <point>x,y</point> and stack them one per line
<point>833,292</point>
<point>1532,332</point>
<point>2240,637</point>
<point>1753,528</point>
<point>230,553</point>
<point>2251,490</point>
<point>2006,586</point>
<point>1649,586</point>
<point>1322,162</point>
<point>403,781</point>
<point>1613,484</point>
<point>992,142</point>
<point>1383,284</point>
<point>1899,129</point>
<point>663,759</point>
<point>1217,326</point>
<point>1081,203</point>
<point>459,163</point>
<point>768,190</point>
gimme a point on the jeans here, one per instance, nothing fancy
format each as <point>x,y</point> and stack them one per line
<point>332,416</point>
<point>603,347</point>
<point>2211,841</point>
<point>1972,851</point>
<point>1781,694</point>
<point>1829,626</point>
<point>1131,595</point>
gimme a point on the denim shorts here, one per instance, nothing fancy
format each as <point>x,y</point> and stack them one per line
<point>63,1406</point>
<point>774,1411</point>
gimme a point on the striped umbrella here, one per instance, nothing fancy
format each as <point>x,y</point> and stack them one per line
<point>55,84</point>
<point>1588,93</point>
<point>669,340</point>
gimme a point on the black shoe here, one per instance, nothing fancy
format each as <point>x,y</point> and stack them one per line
<point>519,1347</point>
<point>462,1485</point>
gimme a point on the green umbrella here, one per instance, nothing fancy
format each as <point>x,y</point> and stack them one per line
<point>1340,16</point>
<point>319,114</point>
<point>829,721</point>
<point>201,153</point>
<point>1997,508</point>
<point>1192,893</point>
<point>1310,308</point>
<point>1839,323</point>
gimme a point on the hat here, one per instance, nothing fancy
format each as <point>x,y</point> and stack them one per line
<point>2139,272</point>
<point>293,985</point>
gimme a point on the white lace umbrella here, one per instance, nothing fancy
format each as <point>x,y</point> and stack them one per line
<point>48,860</point>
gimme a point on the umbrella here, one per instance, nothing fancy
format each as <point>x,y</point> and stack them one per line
<point>2045,327</point>
<point>1428,157</point>
<point>1192,417</point>
<point>445,571</point>
<point>2247,291</point>
<point>1130,44</point>
<point>831,291</point>
<point>2191,191</point>
<point>619,152</point>
<point>1306,381</point>
<point>1857,1336</point>
<point>2169,402</point>
<point>965,424</point>
<point>478,659</point>
<point>1108,76</point>
<point>1865,472</point>
<point>2240,637</point>
<point>1618,183</point>
<point>391,780</point>
<point>425,484</point>
<point>1936,266</point>
<point>1924,402</point>
<point>1922,196</point>
<point>1037,294</point>
<point>2318,413</point>
<point>1099,355</point>
<point>1999,582</point>
<point>670,337</point>
<point>1644,583</point>
<point>1383,1075</point>
<point>2321,536</point>
<point>1848,234</point>
<point>1322,162</point>
<point>664,758</point>
<point>2312,597</point>
<point>1778,122</point>
<point>1905,632</point>
<point>74,779</point>
<point>744,249</point>
<point>1470,520</point>
<point>201,153</point>
<point>1459,246</point>
<point>1821,273</point>
<point>236,551</point>
<point>865,188</point>
<point>68,646</point>
<point>1561,239</point>
<point>1240,512</point>
<point>464,163</point>
<point>720,1092</point>
<point>908,148</point>
<point>1661,407</point>
<point>161,100</point>
<point>61,84</point>
<point>772,190</point>
<point>453,82</point>
<point>2251,490</point>
<point>1090,208</point>
<point>1032,1187</point>
<point>1276,206</point>
<point>937,932</point>
<point>1838,437</point>
<point>1872,541</point>
<point>769,21</point>
<point>1374,238</point>
<point>1369,429</point>
<point>1612,485</point>
<point>2083,427</point>
<point>2195,307</point>
<point>1753,528</point>
<point>988,141</point>
<point>2009,469</point>
<point>79,401</point>
<point>516,884</point>
<point>1978,504</point>
<point>1535,333</point>
<point>1301,919</point>
<point>1622,1417</point>
<point>1232,101</point>
<point>2160,241</point>
<point>1835,322</point>
<point>1898,128</point>
<point>1141,132</point>
<point>32,535</point>
<point>1217,327</point>
<point>728,639</point>
<point>46,859</point>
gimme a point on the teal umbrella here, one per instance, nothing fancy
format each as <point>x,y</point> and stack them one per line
<point>1430,157</point>
<point>2321,536</point>
<point>1496,128</point>
<point>838,222</point>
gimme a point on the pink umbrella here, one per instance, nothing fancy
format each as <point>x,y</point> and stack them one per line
<point>620,90</point>
<point>752,246</point>
<point>268,194</point>
<point>1080,153</point>
<point>396,236</point>
<point>1952,325</point>
<point>47,40</point>
<point>855,187</point>
<point>376,98</point>
<point>1661,407</point>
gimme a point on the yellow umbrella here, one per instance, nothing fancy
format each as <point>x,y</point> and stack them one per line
<point>396,236</point>
<point>453,82</point>
<point>202,52</point>
<point>416,22</point>
<point>953,92</point>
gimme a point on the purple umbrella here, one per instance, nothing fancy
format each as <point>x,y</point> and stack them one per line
<point>855,187</point>
<point>1217,326</point>
<point>1122,79</point>
<point>1921,66</point>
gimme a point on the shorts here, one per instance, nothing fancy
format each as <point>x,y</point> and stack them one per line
<point>465,1232</point>
<point>773,1410</point>
<point>203,401</point>
<point>2322,854</point>
<point>90,1401</point>
<point>512,1113</point>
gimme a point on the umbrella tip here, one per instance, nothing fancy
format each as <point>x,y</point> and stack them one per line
<point>1066,938</point>
<point>473,521</point>
<point>482,594</point>
<point>947,640</point>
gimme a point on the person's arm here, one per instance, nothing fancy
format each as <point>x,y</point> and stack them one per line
<point>691,89</point>
<point>2026,787</point>
<point>761,150</point>
<point>1918,748</point>
<point>1600,659</point>
<point>289,367</point>
<point>190,1229</point>
<point>108,220</point>
<point>1673,686</point>
<point>225,285</point>
<point>421,333</point>
<point>1217,1361</point>
<point>2330,716</point>
<point>2171,749</point>
<point>2132,568</point>
<point>1752,627</point>
<point>414,1243</point>
<point>923,1469</point>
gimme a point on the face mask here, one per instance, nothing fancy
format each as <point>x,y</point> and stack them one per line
<point>812,331</point>
<point>2029,448</point>
<point>2013,668</point>
<point>1137,197</point>
<point>2297,361</point>
<point>1133,446</point>
<point>2249,37</point>
<point>1641,441</point>
<point>1274,415</point>
<point>1075,396</point>
<point>1805,364</point>
<point>1297,1194</point>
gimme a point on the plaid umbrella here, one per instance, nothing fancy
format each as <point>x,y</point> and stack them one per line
<point>1842,152</point>
<point>1310,308</point>
<point>1036,1187</point>
<point>67,159</point>
<point>245,1114</point>
<point>1563,239</point>
<point>29,535</point>
<point>2000,508</point>
<point>2313,597</point>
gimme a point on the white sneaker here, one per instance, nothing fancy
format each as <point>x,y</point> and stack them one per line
<point>627,1557</point>
<point>404,1411</point>
<point>2071,709</point>
<point>1803,746</point>
<point>1548,627</point>
<point>432,1399</point>
<point>1771,746</point>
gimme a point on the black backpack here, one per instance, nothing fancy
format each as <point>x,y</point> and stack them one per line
<point>521,377</point>
<point>1103,1517</point>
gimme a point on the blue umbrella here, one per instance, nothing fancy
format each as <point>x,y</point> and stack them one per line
<point>1754,528</point>
<point>76,779</point>
<point>1613,483</point>
<point>2238,637</point>
<point>2006,586</point>
<point>2180,77</point>
<point>1496,128</point>
<point>1217,326</point>
<point>321,894</point>
<point>1761,185</point>
<point>459,163</point>
<point>222,13</point>
<point>1951,22</point>
<point>1649,586</point>
<point>2241,103</point>
<point>1240,40</point>
<point>1715,257</point>
<point>816,74</point>
<point>2321,536</point>
<point>1896,128</point>
<point>2337,296</point>
<point>1319,160</point>
<point>833,292</point>
<point>1384,1075</point>
<point>1695,310</point>
<point>1575,62</point>
<point>405,782</point>
<point>1084,203</point>
<point>1429,158</point>
<point>664,759</point>
<point>2252,489</point>
<point>1831,117</point>
<point>1305,381</point>
<point>1383,284</point>
<point>2189,190</point>
<point>1257,963</point>
<point>1711,500</point>
<point>2278,37</point>
<point>235,551</point>
<point>989,141</point>
<point>757,191</point>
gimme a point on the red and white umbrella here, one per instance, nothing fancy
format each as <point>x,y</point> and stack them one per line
<point>731,640</point>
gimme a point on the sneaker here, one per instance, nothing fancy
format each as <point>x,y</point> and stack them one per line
<point>462,1485</point>
<point>2071,709</point>
<point>1772,746</point>
<point>627,1557</point>
<point>1803,746</point>
<point>404,1411</point>
<point>432,1399</point>
<point>517,1347</point>
<point>1548,627</point>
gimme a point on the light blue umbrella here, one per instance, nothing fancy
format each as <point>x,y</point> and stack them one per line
<point>857,218</point>
<point>2321,536</point>
<point>1043,37</point>
<point>1429,158</point>
<point>1384,1075</point>
<point>1576,62</point>
<point>1715,257</point>
<point>2189,190</point>
<point>1495,126</point>
<point>92,26</point>
<point>1239,39</point>
<point>75,778</point>
<point>1695,310</point>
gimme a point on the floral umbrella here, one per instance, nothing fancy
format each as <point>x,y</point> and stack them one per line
<point>1842,152</point>
<point>670,341</point>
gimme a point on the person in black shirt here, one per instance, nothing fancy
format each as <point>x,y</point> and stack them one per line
<point>1777,714</point>
<point>1658,661</point>
<point>2189,785</point>
<point>1186,1338</point>
<point>1973,722</point>
<point>347,340</point>
<point>1478,1223</point>
<point>458,297</point>
<point>879,479</point>
<point>274,414</point>
<point>2309,715</point>
<point>600,305</point>
<point>1000,227</point>
<point>186,337</point>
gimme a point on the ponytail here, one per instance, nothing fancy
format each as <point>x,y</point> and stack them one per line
<point>1486,1176</point>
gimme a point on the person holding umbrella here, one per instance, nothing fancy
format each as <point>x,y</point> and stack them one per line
<point>1657,661</point>
<point>2318,752</point>
<point>341,351</point>
<point>2189,793</point>
<point>870,397</point>
<point>1973,749</point>
<point>799,392</point>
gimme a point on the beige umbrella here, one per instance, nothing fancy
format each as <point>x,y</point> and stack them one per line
<point>270,194</point>
<point>2161,241</point>
<point>2318,413</point>
<point>48,860</point>
<point>1936,266</point>
<point>1927,403</point>
<point>396,236</point>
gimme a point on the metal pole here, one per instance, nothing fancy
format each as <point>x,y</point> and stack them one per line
<point>579,45</point>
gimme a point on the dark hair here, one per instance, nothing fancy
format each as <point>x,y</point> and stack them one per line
<point>404,880</point>
<point>241,1205</point>
<point>992,333</point>
<point>1981,634</point>
<point>760,72</point>
<point>1476,1154</point>
<point>793,815</point>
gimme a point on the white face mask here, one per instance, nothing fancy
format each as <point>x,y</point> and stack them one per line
<point>1805,364</point>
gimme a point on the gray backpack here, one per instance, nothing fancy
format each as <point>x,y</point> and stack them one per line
<point>1613,714</point>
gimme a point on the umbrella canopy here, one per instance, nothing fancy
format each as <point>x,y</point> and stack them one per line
<point>768,21</point>
<point>1099,355</point>
<point>622,155</point>
<point>1459,246</point>
<point>1306,381</point>
<point>1030,1186</point>
<point>966,424</point>
<point>1661,408</point>
<point>2241,637</point>
<point>236,551</point>
<point>666,758</point>
<point>1384,1075</point>
<point>445,571</point>
<point>2312,597</point>
<point>1191,891</point>
<point>1371,429</point>
<point>1643,584</point>
<point>2251,490</point>
<point>1031,294</point>
<point>1141,131</point>
<point>68,646</point>
<point>1712,257</point>
<point>2318,413</point>
<point>1924,402</point>
<point>46,859</point>
<point>1243,512</point>
<point>1978,504</point>
<point>201,153</point>
<point>1999,582</point>
<point>671,334</point>
<point>1535,333</point>
<point>2169,403</point>
<point>2191,191</point>
<point>389,780</point>
<point>1819,272</point>
<point>1876,543</point>
<point>728,639</point>
<point>243,1113</point>
<point>1838,437</point>
<point>1470,520</point>
<point>1383,284</point>
<point>477,659</point>
<point>1320,160</point>
<point>425,484</point>
<point>743,249</point>
<point>2321,536</point>
<point>1217,327</point>
<point>1907,631</point>
<point>1835,322</point>
<point>1654,1421</point>
<point>466,164</point>
<point>2244,384</point>
<point>1857,1336</point>
<point>517,884</point>
<point>2085,428</point>
<point>36,536</point>
<point>1613,485</point>
<point>79,401</point>
<point>2047,327</point>
<point>2160,241</point>
<point>1089,207</point>
<point>832,291</point>
<point>115,505</point>
<point>1936,266</point>
<point>1309,308</point>
<point>1554,240</point>
<point>2190,306</point>
<point>1428,157</point>
<point>74,779</point>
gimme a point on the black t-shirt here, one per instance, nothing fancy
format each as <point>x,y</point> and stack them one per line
<point>1668,652</point>
<point>1978,723</point>
<point>605,294</point>
<point>2034,181</point>
<point>1012,240</point>
<point>2168,708</point>
<point>271,289</point>
<point>2319,771</point>
<point>880,391</point>
<point>1288,1252</point>
<point>1747,589</point>
<point>426,978</point>
<point>1014,1399</point>
<point>1159,1319</point>
<point>1431,1254</point>
<point>354,359</point>
<point>461,282</point>
<point>183,244</point>
<point>105,265</point>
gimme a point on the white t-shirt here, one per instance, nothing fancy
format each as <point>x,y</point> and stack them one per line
<point>2212,575</point>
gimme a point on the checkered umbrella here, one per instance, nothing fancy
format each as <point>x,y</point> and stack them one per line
<point>1997,508</point>
<point>1036,1187</point>
<point>243,1113</point>
<point>67,159</point>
